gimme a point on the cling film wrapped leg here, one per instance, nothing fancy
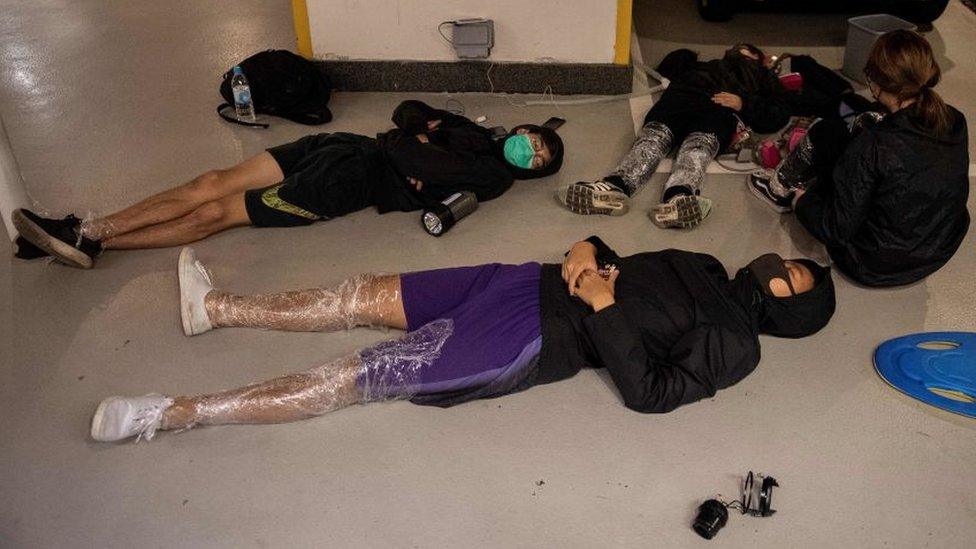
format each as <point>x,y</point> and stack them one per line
<point>389,370</point>
<point>653,143</point>
<point>694,155</point>
<point>363,300</point>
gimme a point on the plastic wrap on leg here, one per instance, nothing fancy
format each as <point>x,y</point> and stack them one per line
<point>797,169</point>
<point>364,300</point>
<point>392,369</point>
<point>386,371</point>
<point>653,144</point>
<point>288,398</point>
<point>694,155</point>
<point>96,228</point>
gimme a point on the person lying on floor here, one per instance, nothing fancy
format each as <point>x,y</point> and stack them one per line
<point>430,155</point>
<point>670,326</point>
<point>889,201</point>
<point>699,113</point>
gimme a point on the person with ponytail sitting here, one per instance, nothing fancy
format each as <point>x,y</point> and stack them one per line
<point>887,197</point>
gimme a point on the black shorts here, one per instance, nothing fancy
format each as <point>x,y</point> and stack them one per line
<point>325,177</point>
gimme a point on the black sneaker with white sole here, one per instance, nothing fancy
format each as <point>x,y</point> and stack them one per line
<point>57,237</point>
<point>594,197</point>
<point>760,183</point>
<point>26,250</point>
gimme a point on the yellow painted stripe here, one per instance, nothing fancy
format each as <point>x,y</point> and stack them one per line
<point>621,48</point>
<point>299,13</point>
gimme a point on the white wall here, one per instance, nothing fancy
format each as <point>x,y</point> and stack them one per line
<point>578,31</point>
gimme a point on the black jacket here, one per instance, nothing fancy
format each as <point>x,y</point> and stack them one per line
<point>896,209</point>
<point>764,106</point>
<point>679,331</point>
<point>461,156</point>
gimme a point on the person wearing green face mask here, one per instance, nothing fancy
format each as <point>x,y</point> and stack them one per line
<point>519,151</point>
<point>429,155</point>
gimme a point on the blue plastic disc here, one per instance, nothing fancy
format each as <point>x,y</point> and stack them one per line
<point>937,368</point>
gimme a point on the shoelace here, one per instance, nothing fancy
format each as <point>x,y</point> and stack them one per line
<point>148,420</point>
<point>204,271</point>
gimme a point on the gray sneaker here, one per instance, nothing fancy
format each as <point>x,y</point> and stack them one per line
<point>681,212</point>
<point>594,197</point>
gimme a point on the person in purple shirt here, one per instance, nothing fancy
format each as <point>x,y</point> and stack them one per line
<point>670,326</point>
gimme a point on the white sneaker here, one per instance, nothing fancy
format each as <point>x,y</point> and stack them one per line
<point>195,284</point>
<point>118,418</point>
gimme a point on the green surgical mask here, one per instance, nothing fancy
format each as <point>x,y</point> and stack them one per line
<point>519,151</point>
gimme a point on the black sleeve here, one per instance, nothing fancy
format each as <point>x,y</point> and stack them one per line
<point>652,384</point>
<point>765,113</point>
<point>444,172</point>
<point>834,217</point>
<point>412,116</point>
<point>766,110</point>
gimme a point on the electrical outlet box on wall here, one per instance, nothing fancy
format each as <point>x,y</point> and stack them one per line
<point>473,38</point>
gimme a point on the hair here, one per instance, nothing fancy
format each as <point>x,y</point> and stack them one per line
<point>751,48</point>
<point>902,64</point>
<point>552,141</point>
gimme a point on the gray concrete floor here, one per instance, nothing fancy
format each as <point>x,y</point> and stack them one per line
<point>105,105</point>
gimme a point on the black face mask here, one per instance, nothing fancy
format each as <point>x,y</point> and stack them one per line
<point>798,315</point>
<point>768,267</point>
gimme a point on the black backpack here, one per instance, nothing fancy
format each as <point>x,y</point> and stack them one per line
<point>282,84</point>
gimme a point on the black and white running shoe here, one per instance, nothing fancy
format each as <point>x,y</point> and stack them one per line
<point>594,197</point>
<point>762,184</point>
<point>684,211</point>
<point>58,237</point>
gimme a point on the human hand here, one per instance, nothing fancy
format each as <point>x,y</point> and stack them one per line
<point>596,291</point>
<point>581,257</point>
<point>422,138</point>
<point>415,183</point>
<point>729,100</point>
<point>432,125</point>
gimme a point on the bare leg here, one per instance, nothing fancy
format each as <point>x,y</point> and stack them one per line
<point>207,219</point>
<point>364,300</point>
<point>283,399</point>
<point>258,171</point>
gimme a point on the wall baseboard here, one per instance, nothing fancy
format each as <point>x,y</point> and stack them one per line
<point>472,76</point>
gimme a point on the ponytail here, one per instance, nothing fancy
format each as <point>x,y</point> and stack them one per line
<point>902,64</point>
<point>933,112</point>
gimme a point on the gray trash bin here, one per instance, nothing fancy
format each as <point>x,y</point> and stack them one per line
<point>862,32</point>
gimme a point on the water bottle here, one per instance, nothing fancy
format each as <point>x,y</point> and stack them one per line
<point>242,95</point>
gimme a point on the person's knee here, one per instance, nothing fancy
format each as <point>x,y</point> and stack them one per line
<point>208,184</point>
<point>208,215</point>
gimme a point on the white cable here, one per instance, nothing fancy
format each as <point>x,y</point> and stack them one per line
<point>12,193</point>
<point>601,99</point>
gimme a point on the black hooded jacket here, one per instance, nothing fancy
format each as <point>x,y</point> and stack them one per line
<point>764,106</point>
<point>895,210</point>
<point>460,156</point>
<point>679,331</point>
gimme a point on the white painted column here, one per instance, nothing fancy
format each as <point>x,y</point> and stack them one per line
<point>12,193</point>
